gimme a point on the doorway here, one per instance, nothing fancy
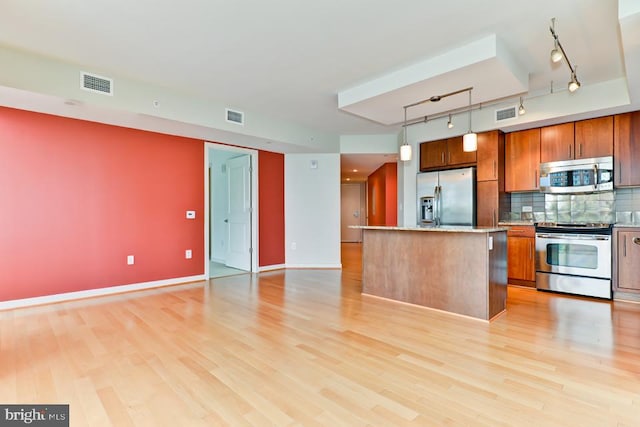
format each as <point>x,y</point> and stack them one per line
<point>352,211</point>
<point>230,216</point>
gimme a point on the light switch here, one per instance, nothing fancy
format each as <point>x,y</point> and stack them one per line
<point>191,214</point>
<point>130,260</point>
<point>490,243</point>
<point>188,254</point>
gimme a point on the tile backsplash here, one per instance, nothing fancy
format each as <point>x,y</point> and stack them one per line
<point>621,206</point>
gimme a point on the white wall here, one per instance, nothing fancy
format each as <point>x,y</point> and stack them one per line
<point>312,210</point>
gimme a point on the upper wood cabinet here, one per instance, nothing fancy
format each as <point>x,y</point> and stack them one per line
<point>594,138</point>
<point>626,149</point>
<point>445,153</point>
<point>522,160</point>
<point>433,154</point>
<point>557,142</point>
<point>490,155</point>
<point>577,140</point>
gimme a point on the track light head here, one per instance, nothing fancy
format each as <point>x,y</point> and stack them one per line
<point>450,123</point>
<point>574,84</point>
<point>556,53</point>
<point>521,109</point>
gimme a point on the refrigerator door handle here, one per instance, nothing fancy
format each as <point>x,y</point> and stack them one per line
<point>439,207</point>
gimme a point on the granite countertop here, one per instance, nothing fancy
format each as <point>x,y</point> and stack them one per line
<point>626,225</point>
<point>439,228</point>
<point>515,222</point>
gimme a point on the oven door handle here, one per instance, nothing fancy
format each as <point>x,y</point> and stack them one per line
<point>595,177</point>
<point>572,236</point>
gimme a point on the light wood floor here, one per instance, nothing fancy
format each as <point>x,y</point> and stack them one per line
<point>304,347</point>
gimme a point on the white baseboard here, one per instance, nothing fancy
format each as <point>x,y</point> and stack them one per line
<point>319,266</point>
<point>90,293</point>
<point>271,267</point>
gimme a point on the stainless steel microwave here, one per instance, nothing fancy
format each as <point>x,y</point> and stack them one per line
<point>577,176</point>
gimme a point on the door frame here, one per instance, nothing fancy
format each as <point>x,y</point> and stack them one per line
<point>253,155</point>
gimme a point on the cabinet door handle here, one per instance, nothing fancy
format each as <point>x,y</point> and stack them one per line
<point>535,179</point>
<point>495,175</point>
<point>494,219</point>
<point>570,156</point>
<point>530,255</point>
<point>624,247</point>
<point>442,157</point>
<point>449,161</point>
<point>620,172</point>
<point>580,150</point>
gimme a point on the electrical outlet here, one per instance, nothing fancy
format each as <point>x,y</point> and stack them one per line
<point>188,254</point>
<point>191,214</point>
<point>130,260</point>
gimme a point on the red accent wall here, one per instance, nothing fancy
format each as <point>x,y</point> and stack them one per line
<point>270,208</point>
<point>77,197</point>
<point>383,192</point>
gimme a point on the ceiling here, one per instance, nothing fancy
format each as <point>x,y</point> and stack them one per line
<point>298,61</point>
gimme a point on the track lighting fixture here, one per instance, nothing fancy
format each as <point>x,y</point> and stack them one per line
<point>521,109</point>
<point>558,53</point>
<point>450,123</point>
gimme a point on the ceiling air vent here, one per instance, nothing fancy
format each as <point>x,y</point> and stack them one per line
<point>233,116</point>
<point>94,83</point>
<point>508,113</point>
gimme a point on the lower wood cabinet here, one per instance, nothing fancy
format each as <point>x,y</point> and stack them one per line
<point>626,265</point>
<point>487,203</point>
<point>521,247</point>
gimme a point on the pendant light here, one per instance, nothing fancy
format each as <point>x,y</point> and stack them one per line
<point>521,109</point>
<point>405,148</point>
<point>470,139</point>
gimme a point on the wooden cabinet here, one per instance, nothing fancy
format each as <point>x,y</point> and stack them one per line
<point>433,154</point>
<point>627,260</point>
<point>579,140</point>
<point>487,203</point>
<point>594,138</point>
<point>522,160</point>
<point>557,142</point>
<point>490,155</point>
<point>626,150</point>
<point>521,269</point>
<point>490,195</point>
<point>457,156</point>
<point>445,153</point>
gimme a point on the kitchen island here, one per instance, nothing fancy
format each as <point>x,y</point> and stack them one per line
<point>458,269</point>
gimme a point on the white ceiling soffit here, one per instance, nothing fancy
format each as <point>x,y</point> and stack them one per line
<point>484,64</point>
<point>629,18</point>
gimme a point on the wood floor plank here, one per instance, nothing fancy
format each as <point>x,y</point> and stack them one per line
<point>306,348</point>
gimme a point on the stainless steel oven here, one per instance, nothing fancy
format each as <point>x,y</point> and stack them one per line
<point>574,258</point>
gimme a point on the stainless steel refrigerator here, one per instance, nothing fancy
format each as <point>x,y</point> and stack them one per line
<point>447,197</point>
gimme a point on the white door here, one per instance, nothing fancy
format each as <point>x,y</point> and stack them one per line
<point>350,212</point>
<point>239,213</point>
